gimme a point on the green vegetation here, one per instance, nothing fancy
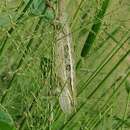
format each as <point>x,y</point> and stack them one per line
<point>95,29</point>
<point>32,68</point>
<point>6,121</point>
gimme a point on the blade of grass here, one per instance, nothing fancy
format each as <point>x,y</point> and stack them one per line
<point>76,12</point>
<point>102,43</point>
<point>95,29</point>
<point>109,74</point>
<point>23,117</point>
<point>12,29</point>
<point>120,125</point>
<point>96,103</point>
<point>98,86</point>
<point>104,107</point>
<point>110,35</point>
<point>103,63</point>
<point>110,97</point>
<point>34,102</point>
<point>101,118</point>
<point>22,58</point>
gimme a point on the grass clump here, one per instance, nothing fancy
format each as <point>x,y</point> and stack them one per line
<point>36,68</point>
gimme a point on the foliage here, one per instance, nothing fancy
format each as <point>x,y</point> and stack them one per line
<point>29,86</point>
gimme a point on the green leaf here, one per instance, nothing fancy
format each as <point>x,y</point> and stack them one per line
<point>127,86</point>
<point>26,1</point>
<point>13,3</point>
<point>128,122</point>
<point>5,126</point>
<point>37,7</point>
<point>6,122</point>
<point>82,32</point>
<point>4,20</point>
<point>6,118</point>
<point>49,15</point>
<point>95,29</point>
<point>54,1</point>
